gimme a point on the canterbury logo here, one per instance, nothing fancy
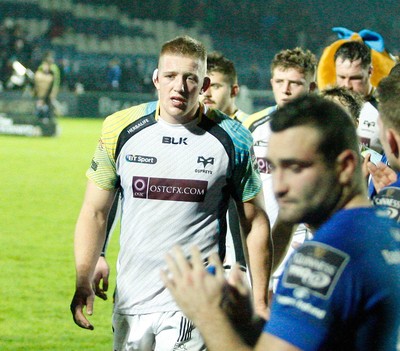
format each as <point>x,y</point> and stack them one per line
<point>205,161</point>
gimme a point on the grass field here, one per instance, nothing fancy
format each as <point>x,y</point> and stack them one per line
<point>42,182</point>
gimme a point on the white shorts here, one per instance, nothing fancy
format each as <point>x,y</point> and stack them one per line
<point>164,331</point>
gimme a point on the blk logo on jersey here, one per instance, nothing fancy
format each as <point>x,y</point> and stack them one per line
<point>174,141</point>
<point>141,159</point>
<point>187,190</point>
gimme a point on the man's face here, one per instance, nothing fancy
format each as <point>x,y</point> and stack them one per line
<point>219,94</point>
<point>179,82</point>
<point>353,76</point>
<point>305,187</point>
<point>288,84</point>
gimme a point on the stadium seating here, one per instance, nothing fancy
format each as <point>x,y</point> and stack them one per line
<point>90,34</point>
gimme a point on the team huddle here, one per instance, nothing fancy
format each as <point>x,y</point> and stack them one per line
<point>301,196</point>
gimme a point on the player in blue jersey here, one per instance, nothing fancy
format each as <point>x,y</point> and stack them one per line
<point>389,134</point>
<point>340,290</point>
<point>176,164</point>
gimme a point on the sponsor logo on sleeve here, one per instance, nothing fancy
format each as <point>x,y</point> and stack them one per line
<point>388,202</point>
<point>140,124</point>
<point>94,165</point>
<point>316,267</point>
<point>187,190</point>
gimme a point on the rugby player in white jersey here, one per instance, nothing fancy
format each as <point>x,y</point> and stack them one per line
<point>176,165</point>
<point>353,67</point>
<point>292,75</point>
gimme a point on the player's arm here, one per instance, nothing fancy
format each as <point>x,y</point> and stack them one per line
<point>281,235</point>
<point>256,230</point>
<point>200,294</point>
<point>89,240</point>
<point>102,270</point>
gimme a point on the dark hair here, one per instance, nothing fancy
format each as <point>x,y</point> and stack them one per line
<point>354,50</point>
<point>389,102</point>
<point>336,129</point>
<point>350,99</point>
<point>216,62</point>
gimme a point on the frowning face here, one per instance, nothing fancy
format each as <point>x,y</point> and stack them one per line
<point>179,81</point>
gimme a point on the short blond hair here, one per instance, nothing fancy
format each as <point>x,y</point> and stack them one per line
<point>185,46</point>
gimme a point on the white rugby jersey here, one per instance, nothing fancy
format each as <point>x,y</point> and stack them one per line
<point>176,181</point>
<point>367,129</point>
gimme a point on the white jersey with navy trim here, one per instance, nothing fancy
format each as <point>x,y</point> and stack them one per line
<point>176,181</point>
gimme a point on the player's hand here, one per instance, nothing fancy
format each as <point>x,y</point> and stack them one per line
<point>197,292</point>
<point>84,296</point>
<point>100,278</point>
<point>382,175</point>
<point>364,166</point>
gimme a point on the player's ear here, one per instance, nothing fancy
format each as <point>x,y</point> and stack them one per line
<point>347,163</point>
<point>206,84</point>
<point>370,70</point>
<point>312,87</point>
<point>235,90</point>
<point>393,141</point>
<point>155,78</point>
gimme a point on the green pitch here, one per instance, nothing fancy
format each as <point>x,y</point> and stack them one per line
<point>42,182</point>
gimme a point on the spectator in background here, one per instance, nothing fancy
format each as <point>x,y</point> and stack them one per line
<point>43,86</point>
<point>49,61</point>
<point>114,74</point>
